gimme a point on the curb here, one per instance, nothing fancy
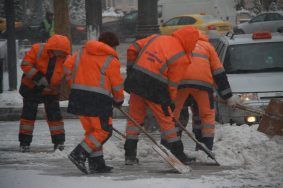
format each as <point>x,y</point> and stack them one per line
<point>14,113</point>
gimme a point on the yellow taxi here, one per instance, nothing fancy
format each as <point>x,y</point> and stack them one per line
<point>206,23</point>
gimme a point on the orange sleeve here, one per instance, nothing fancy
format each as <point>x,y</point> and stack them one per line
<point>116,80</point>
<point>68,68</point>
<point>29,62</point>
<point>134,50</point>
<point>132,54</point>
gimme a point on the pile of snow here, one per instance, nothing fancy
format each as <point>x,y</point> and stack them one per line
<point>248,158</point>
<point>244,146</point>
<point>112,12</point>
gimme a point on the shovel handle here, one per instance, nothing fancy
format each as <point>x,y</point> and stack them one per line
<point>119,133</point>
<point>204,148</point>
<point>250,109</point>
<point>137,125</point>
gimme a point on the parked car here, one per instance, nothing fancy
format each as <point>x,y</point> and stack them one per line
<point>254,67</point>
<point>207,23</point>
<point>18,24</point>
<point>268,21</point>
<point>125,27</point>
<point>243,16</point>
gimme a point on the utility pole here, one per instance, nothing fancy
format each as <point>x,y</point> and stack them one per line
<point>11,44</point>
<point>147,18</point>
<point>93,18</point>
<point>61,17</point>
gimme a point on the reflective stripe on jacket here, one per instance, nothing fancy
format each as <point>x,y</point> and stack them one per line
<point>96,80</point>
<point>206,70</point>
<point>35,64</point>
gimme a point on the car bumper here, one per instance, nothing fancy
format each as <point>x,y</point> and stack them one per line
<point>238,116</point>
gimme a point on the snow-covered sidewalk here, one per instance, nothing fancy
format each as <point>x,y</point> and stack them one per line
<point>248,159</point>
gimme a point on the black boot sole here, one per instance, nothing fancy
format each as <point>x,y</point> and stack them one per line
<point>78,165</point>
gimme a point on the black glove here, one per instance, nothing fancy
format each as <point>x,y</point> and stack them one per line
<point>172,106</point>
<point>117,104</point>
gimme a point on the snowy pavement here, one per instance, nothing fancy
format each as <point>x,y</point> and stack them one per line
<point>248,158</point>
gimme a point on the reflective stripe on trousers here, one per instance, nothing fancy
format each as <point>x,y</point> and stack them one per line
<point>137,110</point>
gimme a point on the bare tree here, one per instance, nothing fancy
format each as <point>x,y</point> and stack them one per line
<point>240,4</point>
<point>266,4</point>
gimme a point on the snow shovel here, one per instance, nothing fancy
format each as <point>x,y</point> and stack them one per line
<point>161,150</point>
<point>272,119</point>
<point>123,137</point>
<point>201,145</point>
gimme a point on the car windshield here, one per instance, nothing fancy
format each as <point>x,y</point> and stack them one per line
<point>254,58</point>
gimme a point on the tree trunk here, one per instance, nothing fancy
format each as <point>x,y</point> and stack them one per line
<point>61,17</point>
<point>266,4</point>
<point>11,43</point>
<point>147,18</point>
<point>62,27</point>
<point>93,18</point>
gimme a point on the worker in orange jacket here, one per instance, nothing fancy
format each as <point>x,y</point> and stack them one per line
<point>152,82</point>
<point>94,75</point>
<point>42,74</point>
<point>197,87</point>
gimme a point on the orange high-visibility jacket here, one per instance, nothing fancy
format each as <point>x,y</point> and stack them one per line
<point>134,50</point>
<point>206,70</point>
<point>94,72</point>
<point>160,65</point>
<point>36,63</point>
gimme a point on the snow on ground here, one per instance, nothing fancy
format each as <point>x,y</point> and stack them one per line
<point>112,12</point>
<point>248,158</point>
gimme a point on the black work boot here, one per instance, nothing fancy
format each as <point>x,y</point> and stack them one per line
<point>58,141</point>
<point>78,157</point>
<point>198,136</point>
<point>97,165</point>
<point>208,142</point>
<point>24,147</point>
<point>177,149</point>
<point>25,141</point>
<point>165,143</point>
<point>60,147</point>
<point>131,152</point>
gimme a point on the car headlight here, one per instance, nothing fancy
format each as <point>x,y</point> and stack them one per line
<point>248,96</point>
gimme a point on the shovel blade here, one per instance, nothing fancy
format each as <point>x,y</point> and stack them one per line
<point>273,124</point>
<point>171,159</point>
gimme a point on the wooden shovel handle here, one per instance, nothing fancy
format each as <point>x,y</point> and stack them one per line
<point>138,125</point>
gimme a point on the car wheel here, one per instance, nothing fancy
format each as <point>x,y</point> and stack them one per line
<point>280,30</point>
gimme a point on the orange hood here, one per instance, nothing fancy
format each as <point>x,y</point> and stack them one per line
<point>95,47</point>
<point>59,42</point>
<point>188,37</point>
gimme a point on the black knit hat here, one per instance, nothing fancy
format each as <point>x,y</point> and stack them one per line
<point>109,38</point>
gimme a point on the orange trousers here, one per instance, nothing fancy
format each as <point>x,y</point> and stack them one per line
<point>206,113</point>
<point>164,116</point>
<point>97,131</point>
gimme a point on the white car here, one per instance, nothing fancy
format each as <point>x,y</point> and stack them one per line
<point>254,67</point>
<point>267,22</point>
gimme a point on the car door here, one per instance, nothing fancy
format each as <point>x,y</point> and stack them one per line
<point>273,22</point>
<point>129,23</point>
<point>256,24</point>
<point>170,26</point>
